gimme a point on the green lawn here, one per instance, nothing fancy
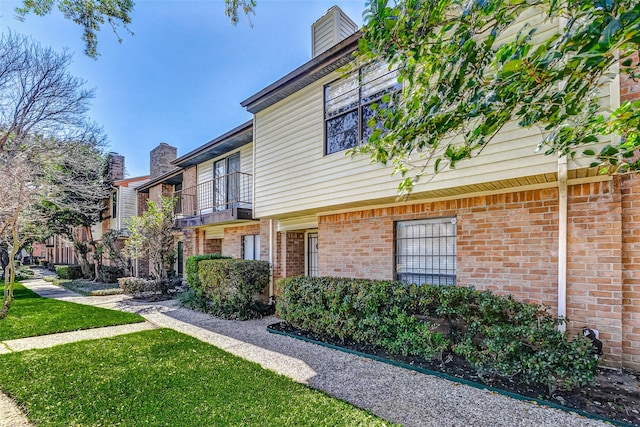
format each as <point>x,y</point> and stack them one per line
<point>162,378</point>
<point>31,315</point>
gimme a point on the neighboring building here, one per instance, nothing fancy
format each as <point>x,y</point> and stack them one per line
<point>510,220</point>
<point>118,209</point>
<point>213,187</point>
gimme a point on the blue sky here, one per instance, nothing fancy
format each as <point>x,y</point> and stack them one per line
<point>181,77</point>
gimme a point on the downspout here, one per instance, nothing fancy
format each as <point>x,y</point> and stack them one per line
<point>562,240</point>
<point>271,292</point>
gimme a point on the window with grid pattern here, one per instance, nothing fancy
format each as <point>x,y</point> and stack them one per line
<point>426,251</point>
<point>348,105</point>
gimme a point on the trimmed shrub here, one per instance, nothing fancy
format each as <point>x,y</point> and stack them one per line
<point>191,267</point>
<point>232,287</point>
<point>497,335</point>
<point>138,286</point>
<point>110,274</point>
<point>71,271</point>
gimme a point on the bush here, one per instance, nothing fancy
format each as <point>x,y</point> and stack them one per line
<point>191,300</point>
<point>137,285</point>
<point>232,287</point>
<point>192,267</point>
<point>497,335</point>
<point>71,271</point>
<point>110,274</point>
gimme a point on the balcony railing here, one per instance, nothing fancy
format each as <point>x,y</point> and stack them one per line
<point>223,193</point>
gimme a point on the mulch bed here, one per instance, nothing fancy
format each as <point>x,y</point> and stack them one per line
<point>614,395</point>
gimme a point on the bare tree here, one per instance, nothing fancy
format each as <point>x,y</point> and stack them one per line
<point>38,95</point>
<point>51,161</point>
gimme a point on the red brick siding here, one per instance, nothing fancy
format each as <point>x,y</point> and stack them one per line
<point>232,244</point>
<point>594,268</point>
<point>291,254</point>
<point>142,203</point>
<point>631,272</point>
<point>508,243</point>
<point>212,246</point>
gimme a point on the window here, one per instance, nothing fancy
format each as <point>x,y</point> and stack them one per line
<point>312,254</point>
<point>348,101</point>
<point>251,246</point>
<point>114,204</point>
<point>426,251</point>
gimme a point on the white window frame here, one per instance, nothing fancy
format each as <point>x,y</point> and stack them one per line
<point>255,246</point>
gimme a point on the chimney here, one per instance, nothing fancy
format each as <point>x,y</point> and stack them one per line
<point>115,167</point>
<point>330,30</point>
<point>161,158</point>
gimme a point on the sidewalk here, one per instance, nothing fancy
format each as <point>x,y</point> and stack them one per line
<point>393,393</point>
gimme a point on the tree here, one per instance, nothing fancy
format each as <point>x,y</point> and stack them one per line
<point>92,15</point>
<point>470,67</point>
<point>151,237</point>
<point>38,95</point>
<point>49,151</point>
<point>80,178</point>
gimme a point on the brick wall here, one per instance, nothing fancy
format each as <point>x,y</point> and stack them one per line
<point>629,89</point>
<point>631,273</point>
<point>291,254</point>
<point>232,243</point>
<point>357,244</point>
<point>594,268</point>
<point>212,246</point>
<point>142,202</point>
<point>508,243</point>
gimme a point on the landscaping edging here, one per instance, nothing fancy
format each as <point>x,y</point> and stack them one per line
<point>451,378</point>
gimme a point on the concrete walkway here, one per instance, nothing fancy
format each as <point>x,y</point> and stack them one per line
<point>393,393</point>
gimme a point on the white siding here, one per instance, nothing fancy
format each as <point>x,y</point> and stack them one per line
<point>330,29</point>
<point>96,231</point>
<point>128,205</point>
<point>205,172</point>
<point>292,174</point>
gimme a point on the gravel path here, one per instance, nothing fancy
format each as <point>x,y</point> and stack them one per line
<point>395,394</point>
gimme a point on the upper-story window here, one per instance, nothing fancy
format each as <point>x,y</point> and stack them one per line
<point>347,105</point>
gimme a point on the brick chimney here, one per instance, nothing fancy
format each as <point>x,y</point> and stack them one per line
<point>115,167</point>
<point>161,158</point>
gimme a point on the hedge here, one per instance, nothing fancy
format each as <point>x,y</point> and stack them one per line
<point>110,274</point>
<point>497,335</point>
<point>139,286</point>
<point>232,287</point>
<point>192,267</point>
<point>72,271</point>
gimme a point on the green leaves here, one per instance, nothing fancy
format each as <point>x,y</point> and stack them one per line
<point>497,334</point>
<point>470,68</point>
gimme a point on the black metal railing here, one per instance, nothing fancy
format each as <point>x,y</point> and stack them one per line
<point>225,192</point>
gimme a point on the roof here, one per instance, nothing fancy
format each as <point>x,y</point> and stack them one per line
<point>226,142</point>
<point>174,176</point>
<point>127,181</point>
<point>318,67</point>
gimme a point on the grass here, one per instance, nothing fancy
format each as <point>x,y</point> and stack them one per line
<point>32,315</point>
<point>162,378</point>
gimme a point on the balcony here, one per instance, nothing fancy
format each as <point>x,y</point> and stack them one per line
<point>224,199</point>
